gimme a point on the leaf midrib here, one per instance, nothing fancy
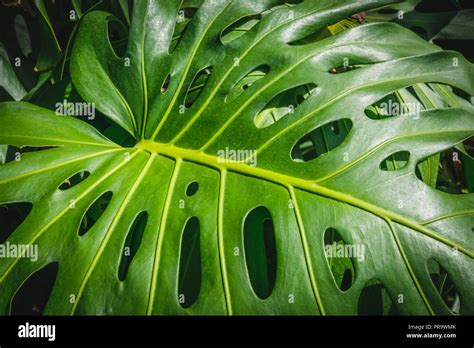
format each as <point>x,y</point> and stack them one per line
<point>305,185</point>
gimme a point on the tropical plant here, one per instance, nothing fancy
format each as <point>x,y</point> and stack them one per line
<point>240,142</point>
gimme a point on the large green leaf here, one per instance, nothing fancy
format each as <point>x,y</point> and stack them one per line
<point>196,224</point>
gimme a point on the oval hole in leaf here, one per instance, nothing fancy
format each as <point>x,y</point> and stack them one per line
<point>461,94</point>
<point>403,102</point>
<point>447,171</point>
<point>94,212</point>
<point>25,149</point>
<point>192,188</point>
<point>13,153</point>
<point>239,28</point>
<point>340,258</point>
<point>283,105</point>
<point>245,82</point>
<point>395,161</point>
<point>74,180</point>
<point>444,286</point>
<point>132,243</point>
<point>183,18</point>
<point>33,295</point>
<point>375,300</point>
<point>321,140</point>
<point>189,283</point>
<point>260,251</point>
<point>11,216</point>
<point>166,83</point>
<point>344,68</point>
<point>197,86</point>
<point>312,37</point>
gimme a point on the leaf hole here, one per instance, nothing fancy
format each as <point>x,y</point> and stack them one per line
<point>345,68</point>
<point>166,83</point>
<point>9,153</point>
<point>239,28</point>
<point>395,161</point>
<point>26,149</point>
<point>248,80</point>
<point>74,180</point>
<point>189,283</point>
<point>384,108</point>
<point>410,101</point>
<point>33,295</point>
<point>11,216</point>
<point>94,212</point>
<point>444,286</point>
<point>132,243</point>
<point>310,38</point>
<point>462,94</point>
<point>340,256</point>
<point>321,140</point>
<point>403,102</point>
<point>260,251</point>
<point>283,104</point>
<point>192,188</point>
<point>196,86</point>
<point>183,18</point>
<point>449,170</point>
<point>375,300</point>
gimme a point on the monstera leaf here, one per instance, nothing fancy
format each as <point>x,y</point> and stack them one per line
<point>256,149</point>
